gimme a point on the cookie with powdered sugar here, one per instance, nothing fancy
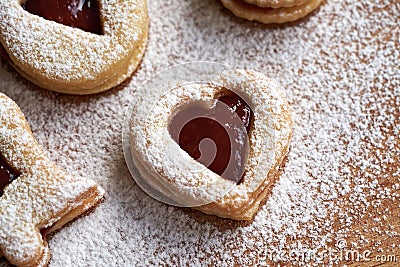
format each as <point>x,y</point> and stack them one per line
<point>36,196</point>
<point>246,121</point>
<point>74,46</point>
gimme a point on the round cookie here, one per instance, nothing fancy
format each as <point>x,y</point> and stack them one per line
<point>269,15</point>
<point>70,60</point>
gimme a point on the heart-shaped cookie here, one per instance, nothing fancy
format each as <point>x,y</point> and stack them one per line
<point>172,170</point>
<point>82,58</point>
<point>36,197</point>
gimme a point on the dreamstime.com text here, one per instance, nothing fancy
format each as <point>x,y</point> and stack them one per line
<point>332,255</point>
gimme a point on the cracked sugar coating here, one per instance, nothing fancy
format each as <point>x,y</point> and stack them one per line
<point>68,60</point>
<point>339,71</point>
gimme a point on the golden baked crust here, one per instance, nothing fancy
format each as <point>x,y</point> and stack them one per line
<point>175,176</point>
<point>275,3</point>
<point>69,60</point>
<point>268,15</point>
<point>42,197</point>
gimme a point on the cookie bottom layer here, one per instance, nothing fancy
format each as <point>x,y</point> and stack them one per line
<point>268,15</point>
<point>247,212</point>
<point>114,77</point>
<point>275,3</point>
<point>90,199</point>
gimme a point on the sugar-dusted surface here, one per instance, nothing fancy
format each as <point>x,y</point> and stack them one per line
<point>341,180</point>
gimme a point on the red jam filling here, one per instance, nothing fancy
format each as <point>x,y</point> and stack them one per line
<point>7,174</point>
<point>3,53</point>
<point>225,125</point>
<point>82,14</point>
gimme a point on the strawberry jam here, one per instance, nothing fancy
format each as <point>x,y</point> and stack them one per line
<point>215,133</point>
<point>7,174</point>
<point>82,14</point>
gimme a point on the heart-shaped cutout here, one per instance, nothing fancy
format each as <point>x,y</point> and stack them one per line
<point>215,133</point>
<point>70,60</point>
<point>175,175</point>
<point>82,14</point>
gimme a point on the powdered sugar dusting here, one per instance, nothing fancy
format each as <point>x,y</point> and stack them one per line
<point>37,198</point>
<point>172,172</point>
<point>340,72</point>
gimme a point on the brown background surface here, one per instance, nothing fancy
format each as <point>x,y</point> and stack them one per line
<point>340,188</point>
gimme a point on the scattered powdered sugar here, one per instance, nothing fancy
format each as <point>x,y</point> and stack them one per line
<point>339,68</point>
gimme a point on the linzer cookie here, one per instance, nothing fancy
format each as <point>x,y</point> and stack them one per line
<point>74,46</point>
<point>35,195</point>
<point>215,146</point>
<point>271,11</point>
